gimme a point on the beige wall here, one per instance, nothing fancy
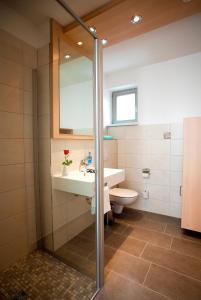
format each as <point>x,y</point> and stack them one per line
<point>44,152</point>
<point>17,200</point>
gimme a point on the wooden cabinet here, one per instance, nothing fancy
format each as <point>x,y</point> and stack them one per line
<point>191,187</point>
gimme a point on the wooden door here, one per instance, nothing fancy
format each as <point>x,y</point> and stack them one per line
<point>191,188</point>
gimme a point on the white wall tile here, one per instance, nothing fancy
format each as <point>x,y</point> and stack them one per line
<point>176,131</point>
<point>159,162</point>
<point>118,132</point>
<point>145,147</point>
<point>175,178</point>
<point>175,210</point>
<point>176,147</point>
<point>176,162</point>
<point>155,132</point>
<point>159,192</point>
<point>160,147</point>
<point>160,177</point>
<point>175,194</point>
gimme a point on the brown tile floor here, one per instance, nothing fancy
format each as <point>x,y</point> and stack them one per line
<point>147,257</point>
<point>152,259</point>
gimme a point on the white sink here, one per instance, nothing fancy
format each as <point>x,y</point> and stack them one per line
<point>78,183</point>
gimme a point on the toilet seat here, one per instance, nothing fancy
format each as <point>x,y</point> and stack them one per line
<point>123,193</point>
<point>122,197</point>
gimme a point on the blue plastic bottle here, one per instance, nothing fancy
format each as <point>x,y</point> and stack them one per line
<point>89,159</point>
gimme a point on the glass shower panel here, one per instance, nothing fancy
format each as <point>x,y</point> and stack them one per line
<point>74,219</point>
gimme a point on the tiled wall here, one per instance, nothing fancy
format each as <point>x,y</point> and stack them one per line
<point>143,146</point>
<point>44,147</point>
<point>17,200</point>
<point>71,213</point>
<point>110,154</point>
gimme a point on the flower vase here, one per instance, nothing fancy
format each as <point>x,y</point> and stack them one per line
<point>65,170</point>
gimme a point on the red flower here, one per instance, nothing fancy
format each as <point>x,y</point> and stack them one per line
<point>66,152</point>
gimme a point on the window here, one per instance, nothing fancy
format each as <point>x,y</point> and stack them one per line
<point>124,106</point>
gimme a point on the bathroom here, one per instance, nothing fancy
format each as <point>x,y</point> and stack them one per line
<point>56,241</point>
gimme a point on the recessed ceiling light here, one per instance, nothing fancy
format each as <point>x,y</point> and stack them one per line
<point>104,42</point>
<point>79,43</point>
<point>67,56</point>
<point>186,1</point>
<point>92,29</point>
<point>136,19</point>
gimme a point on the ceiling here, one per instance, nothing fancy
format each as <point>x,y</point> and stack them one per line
<point>166,31</point>
<point>39,11</point>
<point>168,42</point>
<point>113,22</point>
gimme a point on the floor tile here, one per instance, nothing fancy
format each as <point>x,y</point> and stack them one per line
<point>172,284</point>
<point>109,252</point>
<point>42,276</point>
<point>156,217</point>
<point>156,238</point>
<point>173,260</point>
<point>119,288</point>
<point>129,266</point>
<point>145,223</point>
<point>124,243</point>
<point>81,246</point>
<point>181,233</point>
<point>78,262</point>
<point>89,233</point>
<point>116,227</point>
<point>187,247</point>
<point>138,218</point>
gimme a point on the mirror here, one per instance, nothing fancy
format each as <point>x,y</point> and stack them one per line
<point>76,92</point>
<point>72,83</point>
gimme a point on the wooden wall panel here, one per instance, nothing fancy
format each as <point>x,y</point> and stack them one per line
<point>191,189</point>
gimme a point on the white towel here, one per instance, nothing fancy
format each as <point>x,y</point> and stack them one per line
<point>93,205</point>
<point>107,206</point>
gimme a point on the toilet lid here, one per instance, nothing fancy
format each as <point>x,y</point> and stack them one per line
<point>124,193</point>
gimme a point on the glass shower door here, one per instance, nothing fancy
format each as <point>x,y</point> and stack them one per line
<point>77,218</point>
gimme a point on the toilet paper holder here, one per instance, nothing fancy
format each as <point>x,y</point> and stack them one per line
<point>146,172</point>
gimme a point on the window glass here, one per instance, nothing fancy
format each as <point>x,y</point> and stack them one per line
<point>124,106</point>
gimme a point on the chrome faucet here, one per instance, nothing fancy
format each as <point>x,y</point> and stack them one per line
<point>83,166</point>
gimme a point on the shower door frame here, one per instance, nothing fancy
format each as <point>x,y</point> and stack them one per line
<point>98,143</point>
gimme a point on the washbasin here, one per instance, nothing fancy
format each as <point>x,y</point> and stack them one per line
<point>84,184</point>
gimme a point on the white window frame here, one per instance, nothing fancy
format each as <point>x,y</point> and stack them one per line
<point>115,94</point>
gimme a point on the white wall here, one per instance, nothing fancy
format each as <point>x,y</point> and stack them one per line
<point>167,91</point>
<point>77,106</point>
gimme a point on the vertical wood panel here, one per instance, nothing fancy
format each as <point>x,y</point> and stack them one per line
<point>191,199</point>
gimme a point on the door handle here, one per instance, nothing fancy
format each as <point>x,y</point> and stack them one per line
<point>180,190</point>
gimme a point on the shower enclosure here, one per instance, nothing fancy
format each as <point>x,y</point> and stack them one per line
<point>71,229</point>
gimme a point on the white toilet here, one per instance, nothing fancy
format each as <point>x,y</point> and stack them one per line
<point>122,197</point>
